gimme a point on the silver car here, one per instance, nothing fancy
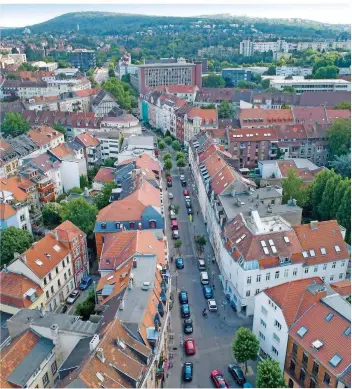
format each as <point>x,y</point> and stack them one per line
<point>212,305</point>
<point>73,296</point>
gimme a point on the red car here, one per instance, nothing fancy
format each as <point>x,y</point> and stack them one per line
<point>185,192</point>
<point>218,379</point>
<point>190,346</point>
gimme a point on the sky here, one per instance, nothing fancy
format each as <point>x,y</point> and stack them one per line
<point>19,15</point>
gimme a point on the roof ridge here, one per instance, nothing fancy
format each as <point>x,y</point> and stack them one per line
<point>294,321</point>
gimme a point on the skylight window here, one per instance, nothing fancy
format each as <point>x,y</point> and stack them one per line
<point>271,242</point>
<point>347,331</point>
<point>302,331</point>
<point>317,344</point>
<point>305,254</point>
<point>337,248</point>
<point>39,263</point>
<point>286,239</point>
<point>266,251</point>
<point>323,250</point>
<point>312,253</point>
<point>335,360</point>
<point>57,248</point>
<point>329,317</point>
<point>262,242</point>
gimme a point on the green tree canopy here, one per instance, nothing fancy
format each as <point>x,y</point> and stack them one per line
<point>14,125</point>
<point>265,83</point>
<point>270,375</point>
<point>59,127</point>
<point>109,162</point>
<point>178,245</point>
<point>293,188</point>
<point>52,215</point>
<point>80,213</point>
<point>122,92</point>
<point>213,81</point>
<point>245,346</point>
<point>75,190</point>
<point>328,72</point>
<point>271,71</point>
<point>13,240</point>
<point>289,89</point>
<point>102,199</point>
<point>168,164</point>
<point>342,165</point>
<point>344,213</point>
<point>161,145</point>
<point>327,200</point>
<point>339,136</point>
<point>225,110</point>
<point>318,188</point>
<point>343,105</point>
<point>176,145</point>
<point>167,156</point>
<point>83,181</point>
<point>168,140</point>
<point>180,155</point>
<point>180,162</point>
<point>339,193</point>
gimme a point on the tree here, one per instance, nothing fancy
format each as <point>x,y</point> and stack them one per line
<point>327,200</point>
<point>228,82</point>
<point>225,110</point>
<point>27,67</point>
<point>328,72</point>
<point>201,242</point>
<point>292,187</point>
<point>180,155</point>
<point>161,145</point>
<point>14,125</point>
<point>166,157</point>
<point>339,194</point>
<point>52,215</point>
<point>168,140</point>
<point>213,81</point>
<point>285,106</point>
<point>126,78</point>
<point>180,163</point>
<point>86,308</point>
<point>122,92</point>
<point>111,72</point>
<point>59,127</point>
<point>208,106</point>
<point>271,71</point>
<point>102,199</point>
<point>289,89</point>
<point>75,190</point>
<point>13,240</point>
<point>343,105</point>
<point>318,188</point>
<point>344,213</point>
<point>176,145</point>
<point>245,346</point>
<point>168,164</point>
<point>178,245</point>
<point>342,165</point>
<point>109,162</point>
<point>81,213</point>
<point>83,181</point>
<point>339,135</point>
<point>270,375</point>
<point>265,83</point>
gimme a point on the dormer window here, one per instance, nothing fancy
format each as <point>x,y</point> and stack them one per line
<point>103,226</point>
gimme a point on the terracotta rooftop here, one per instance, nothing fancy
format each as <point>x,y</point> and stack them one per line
<point>43,135</point>
<point>62,151</point>
<point>208,116</point>
<point>105,174</point>
<point>14,185</point>
<point>257,117</point>
<point>333,114</point>
<point>144,162</point>
<point>88,140</point>
<point>252,134</point>
<point>13,289</point>
<point>309,115</point>
<point>67,231</point>
<point>87,92</point>
<point>305,174</point>
<point>6,211</point>
<point>290,131</point>
<point>343,288</point>
<point>222,179</point>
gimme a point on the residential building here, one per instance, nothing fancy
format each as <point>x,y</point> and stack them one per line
<point>236,74</point>
<point>110,141</point>
<point>8,160</point>
<point>48,263</point>
<point>140,210</point>
<point>104,175</point>
<point>136,145</point>
<point>276,311</point>
<point>275,100</point>
<point>104,103</point>
<point>92,149</point>
<point>248,48</point>
<point>38,345</point>
<point>262,118</point>
<point>76,240</point>
<point>326,99</point>
<point>46,138</point>
<point>18,291</point>
<point>343,288</point>
<point>46,66</point>
<point>127,123</point>
<point>198,119</point>
<point>160,74</point>
<point>83,59</point>
<point>185,92</point>
<point>125,66</point>
<point>287,71</point>
<point>312,85</point>
<point>68,72</point>
<point>15,215</point>
<point>206,96</point>
<point>319,344</point>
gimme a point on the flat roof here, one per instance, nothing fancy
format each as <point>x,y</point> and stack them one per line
<point>165,65</point>
<point>305,81</point>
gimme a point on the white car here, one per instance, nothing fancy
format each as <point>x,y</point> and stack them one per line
<point>171,196</point>
<point>212,305</point>
<point>73,297</point>
<point>182,177</point>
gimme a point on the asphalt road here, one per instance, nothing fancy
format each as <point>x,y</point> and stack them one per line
<point>213,335</point>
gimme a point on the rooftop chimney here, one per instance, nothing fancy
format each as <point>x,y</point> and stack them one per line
<point>314,224</point>
<point>94,343</point>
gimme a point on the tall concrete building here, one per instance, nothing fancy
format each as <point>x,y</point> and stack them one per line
<point>83,59</point>
<point>161,74</point>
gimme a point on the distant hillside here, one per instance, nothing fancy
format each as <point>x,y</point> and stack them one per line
<point>106,23</point>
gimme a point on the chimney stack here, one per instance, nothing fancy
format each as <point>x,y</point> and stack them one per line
<point>314,225</point>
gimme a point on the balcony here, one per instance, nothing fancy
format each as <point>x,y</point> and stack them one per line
<point>47,196</point>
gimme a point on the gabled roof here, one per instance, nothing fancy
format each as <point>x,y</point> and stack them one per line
<point>101,95</point>
<point>290,131</point>
<point>327,99</point>
<point>14,185</point>
<point>343,288</point>
<point>105,174</point>
<point>14,287</point>
<point>43,135</point>
<point>333,114</point>
<point>87,92</point>
<point>252,134</point>
<point>67,232</point>
<point>259,116</point>
<point>88,140</point>
<point>62,151</point>
<point>309,115</point>
<point>45,162</point>
<point>213,95</point>
<point>208,116</point>
<point>6,211</point>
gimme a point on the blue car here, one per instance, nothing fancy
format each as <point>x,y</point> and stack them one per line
<point>207,291</point>
<point>185,311</point>
<point>88,280</point>
<point>188,371</point>
<point>179,263</point>
<point>183,297</point>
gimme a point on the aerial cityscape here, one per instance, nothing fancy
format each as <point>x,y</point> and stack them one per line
<point>175,197</point>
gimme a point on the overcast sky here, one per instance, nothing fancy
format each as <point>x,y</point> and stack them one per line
<point>19,15</point>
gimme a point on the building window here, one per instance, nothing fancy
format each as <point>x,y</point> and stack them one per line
<point>44,280</point>
<point>278,325</point>
<point>264,311</point>
<point>132,225</point>
<point>342,263</point>
<point>49,276</point>
<point>72,286</point>
<point>249,280</point>
<point>57,270</point>
<point>67,288</point>
<point>259,277</point>
<point>63,263</point>
<point>302,375</point>
<point>294,272</point>
<point>332,277</point>
<point>325,266</point>
<point>315,269</point>
<point>262,323</point>
<point>52,289</point>
<point>312,383</point>
<point>286,273</point>
<point>276,337</point>
<point>45,379</point>
<point>333,265</point>
<point>47,294</point>
<point>277,274</point>
<point>267,277</point>
<point>54,368</point>
<point>273,349</point>
<point>304,359</point>
<point>340,276</point>
<point>257,291</point>
<point>69,272</point>
<point>315,368</point>
<point>248,293</point>
<point>261,336</point>
<point>327,378</point>
<point>65,276</point>
<point>59,283</point>
<point>306,270</point>
<point>294,348</point>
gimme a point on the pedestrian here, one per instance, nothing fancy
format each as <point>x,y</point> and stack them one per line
<point>197,212</point>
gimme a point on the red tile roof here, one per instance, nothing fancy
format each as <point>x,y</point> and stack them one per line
<point>305,173</point>
<point>333,114</point>
<point>43,135</point>
<point>222,179</point>
<point>208,116</point>
<point>88,140</point>
<point>252,134</point>
<point>61,151</point>
<point>181,88</point>
<point>67,231</point>
<point>87,92</point>
<point>6,211</point>
<point>105,174</point>
<point>330,333</point>
<point>257,117</point>
<point>14,185</point>
<point>147,164</point>
<point>290,131</point>
<point>309,115</point>
<point>343,288</point>
<point>13,289</point>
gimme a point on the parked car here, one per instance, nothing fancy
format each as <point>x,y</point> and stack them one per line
<point>183,183</point>
<point>169,182</point>
<point>183,297</point>
<point>175,234</point>
<point>189,211</point>
<point>173,215</point>
<point>185,192</point>
<point>188,371</point>
<point>247,385</point>
<point>237,374</point>
<point>201,264</point>
<point>207,291</point>
<point>171,196</point>
<point>174,224</point>
<point>188,326</point>
<point>212,305</point>
<point>218,379</point>
<point>187,199</point>
<point>182,177</point>
<point>185,311</point>
<point>88,280</point>
<point>73,296</point>
<point>179,263</point>
<point>190,346</point>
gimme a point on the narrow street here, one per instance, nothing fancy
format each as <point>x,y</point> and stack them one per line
<point>213,335</point>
